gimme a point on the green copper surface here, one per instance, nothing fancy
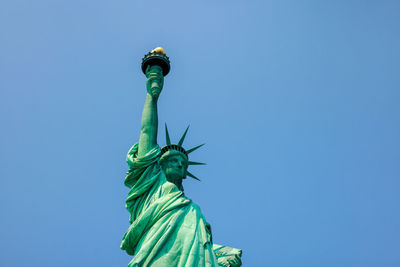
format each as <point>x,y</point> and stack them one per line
<point>166,227</point>
<point>191,175</point>
<point>183,137</point>
<point>193,149</point>
<point>167,135</point>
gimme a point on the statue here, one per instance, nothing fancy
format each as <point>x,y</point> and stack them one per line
<point>167,228</point>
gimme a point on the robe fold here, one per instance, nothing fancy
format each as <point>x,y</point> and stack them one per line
<point>167,228</point>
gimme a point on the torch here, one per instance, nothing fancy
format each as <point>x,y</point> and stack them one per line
<point>157,56</point>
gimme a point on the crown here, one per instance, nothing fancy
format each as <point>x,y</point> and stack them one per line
<point>169,148</point>
<point>157,56</point>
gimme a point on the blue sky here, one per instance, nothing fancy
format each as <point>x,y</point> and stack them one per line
<point>297,102</point>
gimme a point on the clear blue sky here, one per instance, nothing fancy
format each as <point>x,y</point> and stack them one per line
<point>297,102</point>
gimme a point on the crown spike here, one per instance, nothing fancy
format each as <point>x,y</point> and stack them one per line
<point>183,137</point>
<point>193,149</point>
<point>191,175</point>
<point>167,135</point>
<point>195,163</point>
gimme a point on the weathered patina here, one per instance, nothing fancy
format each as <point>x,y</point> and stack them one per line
<point>167,228</point>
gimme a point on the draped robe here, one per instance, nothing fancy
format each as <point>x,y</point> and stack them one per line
<point>167,228</point>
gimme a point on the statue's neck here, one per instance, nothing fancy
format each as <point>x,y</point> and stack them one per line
<point>179,185</point>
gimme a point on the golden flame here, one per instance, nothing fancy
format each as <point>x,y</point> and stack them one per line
<point>158,50</point>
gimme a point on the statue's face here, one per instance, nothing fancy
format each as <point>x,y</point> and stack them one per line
<point>175,168</point>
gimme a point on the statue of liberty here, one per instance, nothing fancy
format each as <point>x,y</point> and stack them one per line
<point>167,228</point>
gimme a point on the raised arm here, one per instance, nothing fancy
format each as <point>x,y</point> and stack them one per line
<point>148,134</point>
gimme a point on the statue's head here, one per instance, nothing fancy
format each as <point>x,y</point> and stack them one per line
<point>174,160</point>
<point>174,165</point>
